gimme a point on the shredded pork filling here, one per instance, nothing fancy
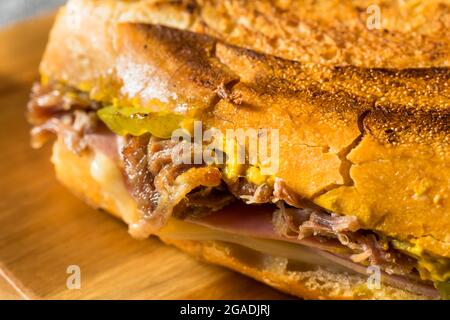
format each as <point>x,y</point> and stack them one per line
<point>163,189</point>
<point>160,186</point>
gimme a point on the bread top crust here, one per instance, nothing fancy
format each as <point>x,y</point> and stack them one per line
<point>366,33</point>
<point>408,34</point>
<point>373,143</point>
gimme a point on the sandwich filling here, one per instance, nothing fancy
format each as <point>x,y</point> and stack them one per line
<point>198,193</point>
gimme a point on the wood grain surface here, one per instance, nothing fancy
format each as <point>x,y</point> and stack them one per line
<point>44,229</point>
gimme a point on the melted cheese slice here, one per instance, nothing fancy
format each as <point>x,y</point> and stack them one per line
<point>106,173</point>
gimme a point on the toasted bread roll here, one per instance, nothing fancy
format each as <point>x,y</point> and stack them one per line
<point>372,143</point>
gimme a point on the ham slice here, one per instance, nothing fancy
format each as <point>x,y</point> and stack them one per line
<point>257,223</point>
<point>105,141</point>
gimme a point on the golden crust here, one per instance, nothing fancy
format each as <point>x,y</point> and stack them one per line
<point>73,171</point>
<point>410,34</point>
<point>372,143</point>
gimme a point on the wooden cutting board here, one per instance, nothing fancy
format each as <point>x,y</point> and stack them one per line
<point>44,229</point>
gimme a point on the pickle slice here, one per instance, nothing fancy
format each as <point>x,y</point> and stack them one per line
<point>138,121</point>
